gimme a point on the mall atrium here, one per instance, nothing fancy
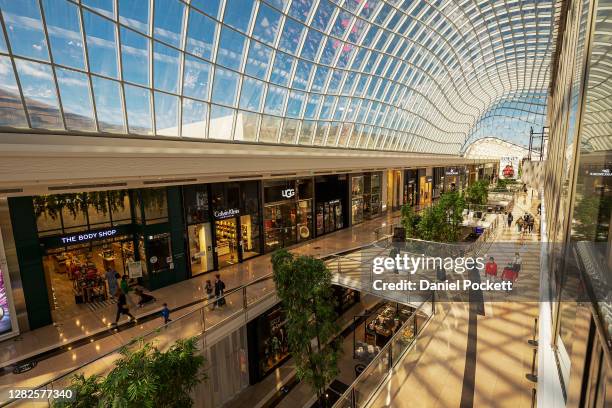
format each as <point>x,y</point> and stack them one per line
<point>200,201</point>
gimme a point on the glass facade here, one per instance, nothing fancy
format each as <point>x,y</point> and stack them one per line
<point>398,76</point>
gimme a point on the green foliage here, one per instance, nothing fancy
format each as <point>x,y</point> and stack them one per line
<point>103,201</point>
<point>442,221</point>
<point>591,218</point>
<point>409,220</point>
<point>304,285</point>
<point>478,192</point>
<point>146,377</point>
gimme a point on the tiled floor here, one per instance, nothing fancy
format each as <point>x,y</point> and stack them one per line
<point>482,361</point>
<point>90,322</point>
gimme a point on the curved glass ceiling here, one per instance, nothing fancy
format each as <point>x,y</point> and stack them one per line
<point>386,75</point>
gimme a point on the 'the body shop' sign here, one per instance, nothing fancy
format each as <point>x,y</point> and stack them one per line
<point>88,236</point>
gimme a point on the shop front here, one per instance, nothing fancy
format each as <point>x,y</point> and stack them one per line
<point>366,196</point>
<point>452,179</point>
<point>425,188</point>
<point>394,189</point>
<point>199,228</point>
<point>267,343</point>
<point>411,192</point>
<point>288,212</point>
<point>331,203</point>
<point>85,240</point>
<point>438,182</point>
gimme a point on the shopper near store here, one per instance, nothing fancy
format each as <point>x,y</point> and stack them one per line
<point>124,285</point>
<point>510,219</point>
<point>491,268</point>
<point>219,288</point>
<point>165,312</point>
<point>530,223</point>
<point>111,280</point>
<point>143,298</point>
<point>123,308</point>
<point>517,262</point>
<point>519,225</point>
<point>209,289</point>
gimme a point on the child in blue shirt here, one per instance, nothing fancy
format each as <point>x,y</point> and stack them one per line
<point>165,312</point>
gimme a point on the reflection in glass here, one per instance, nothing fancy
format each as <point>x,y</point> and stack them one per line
<point>135,13</point>
<point>200,35</point>
<point>101,44</point>
<point>195,117</point>
<point>275,100</point>
<point>320,77</point>
<point>64,33</point>
<point>138,107</point>
<point>306,132</point>
<point>221,122</point>
<point>107,95</point>
<point>165,67</point>
<point>231,48</point>
<point>238,14</point>
<point>289,133</point>
<point>225,87</point>
<point>250,96</point>
<point>134,57</point>
<point>319,139</point>
<point>196,78</point>
<point>281,70</point>
<point>294,106</point>
<point>166,114</point>
<point>210,7</point>
<point>11,110</point>
<point>314,102</point>
<point>291,36</point>
<point>24,28</point>
<point>169,22</point>
<point>270,126</point>
<point>76,99</point>
<point>258,60</point>
<point>266,25</point>
<point>246,126</point>
<point>104,7</point>
<point>38,86</point>
<point>302,75</point>
<point>311,44</point>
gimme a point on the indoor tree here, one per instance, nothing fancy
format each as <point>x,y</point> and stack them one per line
<point>145,377</point>
<point>304,286</point>
<point>409,220</point>
<point>477,192</point>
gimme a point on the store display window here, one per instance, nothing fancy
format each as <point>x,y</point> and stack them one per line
<point>357,201</point>
<point>59,214</point>
<point>330,196</point>
<point>199,228</point>
<point>159,252</point>
<point>250,219</point>
<point>268,343</point>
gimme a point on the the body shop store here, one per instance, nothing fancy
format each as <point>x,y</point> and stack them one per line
<point>287,212</point>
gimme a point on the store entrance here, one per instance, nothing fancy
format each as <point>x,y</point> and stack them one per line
<point>77,277</point>
<point>226,233</point>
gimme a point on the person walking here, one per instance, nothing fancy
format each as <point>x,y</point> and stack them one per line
<point>491,268</point>
<point>165,312</point>
<point>510,219</point>
<point>530,223</point>
<point>517,262</point>
<point>124,287</point>
<point>123,308</point>
<point>519,225</point>
<point>219,288</point>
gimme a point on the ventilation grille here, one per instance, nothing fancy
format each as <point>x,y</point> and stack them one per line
<point>11,190</point>
<point>282,174</point>
<point>85,186</point>
<point>250,176</point>
<point>151,182</point>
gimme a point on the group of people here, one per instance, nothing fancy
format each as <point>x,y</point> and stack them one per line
<point>121,290</point>
<point>509,273</point>
<point>524,224</point>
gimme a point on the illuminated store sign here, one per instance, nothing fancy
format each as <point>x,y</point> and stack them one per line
<point>88,236</point>
<point>288,193</point>
<point>223,214</point>
<point>600,173</point>
<point>452,171</point>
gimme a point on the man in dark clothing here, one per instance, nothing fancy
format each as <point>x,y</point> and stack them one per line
<point>122,308</point>
<point>510,219</point>
<point>219,288</point>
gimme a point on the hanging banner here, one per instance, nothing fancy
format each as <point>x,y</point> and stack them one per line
<point>508,167</point>
<point>8,322</point>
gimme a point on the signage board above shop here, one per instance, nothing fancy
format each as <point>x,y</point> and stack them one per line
<point>223,214</point>
<point>84,237</point>
<point>452,171</point>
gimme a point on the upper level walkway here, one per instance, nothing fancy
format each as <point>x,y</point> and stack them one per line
<point>62,347</point>
<point>474,356</point>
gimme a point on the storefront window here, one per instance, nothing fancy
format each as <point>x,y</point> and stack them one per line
<point>155,205</point>
<point>250,219</point>
<point>357,199</point>
<point>196,204</point>
<point>287,212</point>
<point>200,248</point>
<point>159,252</point>
<point>330,194</point>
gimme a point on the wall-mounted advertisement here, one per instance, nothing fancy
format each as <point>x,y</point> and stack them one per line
<point>8,323</point>
<point>509,167</point>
